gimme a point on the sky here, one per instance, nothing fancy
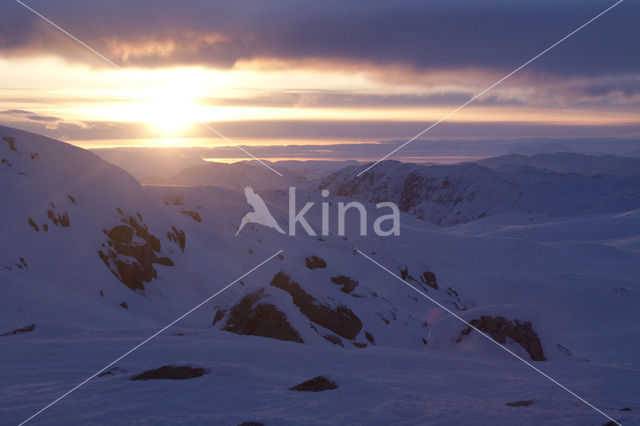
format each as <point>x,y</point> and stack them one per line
<point>336,79</point>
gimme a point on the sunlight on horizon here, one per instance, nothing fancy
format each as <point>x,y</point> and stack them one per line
<point>169,103</point>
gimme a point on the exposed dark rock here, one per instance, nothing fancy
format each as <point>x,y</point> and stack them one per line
<point>72,199</point>
<point>429,278</point>
<point>564,350</point>
<point>348,284</point>
<point>45,227</point>
<point>341,320</point>
<point>25,329</point>
<point>218,316</point>
<point>451,292</point>
<point>122,234</point>
<point>101,293</point>
<point>172,373</point>
<point>317,384</point>
<point>33,224</point>
<point>314,262</point>
<point>333,339</point>
<point>177,236</point>
<point>383,318</point>
<point>142,231</point>
<point>194,215</point>
<point>369,337</point>
<point>404,273</point>
<point>523,403</point>
<point>625,409</point>
<point>164,261</point>
<point>499,328</point>
<point>124,305</point>
<point>463,333</point>
<point>249,317</point>
<point>110,372</point>
<point>131,261</point>
<point>60,219</point>
<point>359,345</point>
<point>11,141</point>
<point>251,424</point>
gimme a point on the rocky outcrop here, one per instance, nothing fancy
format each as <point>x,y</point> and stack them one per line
<point>429,278</point>
<point>250,317</point>
<point>11,141</point>
<point>194,215</point>
<point>500,328</point>
<point>171,373</point>
<point>523,403</point>
<point>370,337</point>
<point>25,329</point>
<point>317,384</point>
<point>177,236</point>
<point>131,252</point>
<point>348,284</point>
<point>111,372</point>
<point>315,262</point>
<point>58,219</point>
<point>340,319</point>
<point>33,224</point>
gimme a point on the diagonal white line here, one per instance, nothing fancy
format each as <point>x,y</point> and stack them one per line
<point>242,149</point>
<point>491,339</point>
<point>110,62</point>
<point>149,338</point>
<point>492,86</point>
<point>74,38</point>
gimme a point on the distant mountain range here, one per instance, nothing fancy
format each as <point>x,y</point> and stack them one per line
<point>455,194</point>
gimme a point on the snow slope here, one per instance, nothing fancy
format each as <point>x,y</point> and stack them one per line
<point>150,164</point>
<point>320,308</point>
<point>454,194</point>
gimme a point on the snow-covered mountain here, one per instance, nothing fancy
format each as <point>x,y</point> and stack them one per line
<point>81,226</point>
<point>453,194</point>
<point>92,263</point>
<point>567,162</point>
<point>151,164</point>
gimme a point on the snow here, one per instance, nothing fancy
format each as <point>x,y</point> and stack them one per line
<point>570,268</point>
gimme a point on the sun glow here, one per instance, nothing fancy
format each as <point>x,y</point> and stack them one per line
<point>170,111</point>
<point>168,101</point>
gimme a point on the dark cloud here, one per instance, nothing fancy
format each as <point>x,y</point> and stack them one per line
<point>495,34</point>
<point>339,99</point>
<point>20,114</point>
<point>292,132</point>
<point>625,87</point>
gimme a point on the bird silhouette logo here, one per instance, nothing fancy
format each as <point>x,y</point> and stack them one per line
<point>260,213</point>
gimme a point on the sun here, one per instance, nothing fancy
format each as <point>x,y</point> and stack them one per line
<point>170,111</point>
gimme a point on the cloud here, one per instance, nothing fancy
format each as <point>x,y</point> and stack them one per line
<point>343,99</point>
<point>316,133</point>
<point>497,34</point>
<point>19,115</point>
